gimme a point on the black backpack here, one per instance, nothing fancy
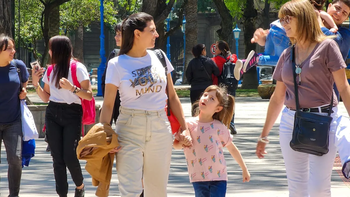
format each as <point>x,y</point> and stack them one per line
<point>227,77</point>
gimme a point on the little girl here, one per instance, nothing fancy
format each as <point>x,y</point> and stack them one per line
<point>205,159</point>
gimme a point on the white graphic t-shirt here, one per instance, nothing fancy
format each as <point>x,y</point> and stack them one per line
<point>141,81</point>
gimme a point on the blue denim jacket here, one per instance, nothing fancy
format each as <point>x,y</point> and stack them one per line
<point>276,42</point>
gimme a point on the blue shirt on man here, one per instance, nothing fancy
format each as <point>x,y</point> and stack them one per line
<point>9,91</point>
<point>343,39</point>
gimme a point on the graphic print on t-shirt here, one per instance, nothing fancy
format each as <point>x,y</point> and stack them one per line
<point>145,81</point>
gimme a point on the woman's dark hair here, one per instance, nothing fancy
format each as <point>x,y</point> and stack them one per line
<point>118,27</point>
<point>135,21</point>
<point>224,48</point>
<point>4,42</point>
<point>197,50</point>
<point>61,50</point>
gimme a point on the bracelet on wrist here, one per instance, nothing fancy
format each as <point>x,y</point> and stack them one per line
<point>263,140</point>
<point>73,88</point>
<point>36,86</point>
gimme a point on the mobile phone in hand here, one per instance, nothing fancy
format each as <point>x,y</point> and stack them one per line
<point>35,65</point>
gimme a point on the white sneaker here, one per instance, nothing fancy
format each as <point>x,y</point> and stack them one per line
<point>238,72</point>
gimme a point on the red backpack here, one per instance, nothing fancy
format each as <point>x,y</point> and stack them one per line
<point>89,112</point>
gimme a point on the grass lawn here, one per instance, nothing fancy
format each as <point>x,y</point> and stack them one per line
<point>239,93</point>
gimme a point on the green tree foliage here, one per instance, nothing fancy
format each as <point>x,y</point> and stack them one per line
<point>29,24</point>
<point>72,14</point>
<point>83,12</point>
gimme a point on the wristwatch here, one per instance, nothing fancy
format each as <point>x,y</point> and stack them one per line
<point>76,90</point>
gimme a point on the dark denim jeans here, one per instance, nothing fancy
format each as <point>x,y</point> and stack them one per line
<point>63,128</point>
<point>11,134</point>
<point>210,188</point>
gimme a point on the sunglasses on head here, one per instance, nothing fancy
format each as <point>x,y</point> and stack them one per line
<point>285,20</point>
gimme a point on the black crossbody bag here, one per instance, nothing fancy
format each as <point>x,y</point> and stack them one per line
<point>311,130</point>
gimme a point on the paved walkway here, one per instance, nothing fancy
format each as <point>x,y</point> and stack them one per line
<point>268,178</point>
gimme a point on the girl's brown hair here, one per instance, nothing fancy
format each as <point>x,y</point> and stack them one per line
<point>62,52</point>
<point>305,16</point>
<point>225,100</point>
<point>135,21</point>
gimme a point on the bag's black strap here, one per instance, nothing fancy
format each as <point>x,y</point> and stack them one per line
<point>297,107</point>
<point>19,75</point>
<point>161,58</point>
<point>205,69</point>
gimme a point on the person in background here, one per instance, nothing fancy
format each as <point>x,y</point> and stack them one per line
<point>222,55</point>
<point>64,113</point>
<point>321,65</point>
<point>114,53</point>
<point>199,72</point>
<point>10,112</point>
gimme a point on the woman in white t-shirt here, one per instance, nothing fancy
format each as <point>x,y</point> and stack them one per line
<point>64,113</point>
<point>143,128</point>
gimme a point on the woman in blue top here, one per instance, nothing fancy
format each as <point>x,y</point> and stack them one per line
<point>10,111</point>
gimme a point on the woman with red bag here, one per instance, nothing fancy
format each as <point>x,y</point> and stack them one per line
<point>143,129</point>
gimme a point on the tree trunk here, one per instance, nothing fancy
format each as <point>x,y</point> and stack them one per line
<point>50,24</point>
<point>266,15</point>
<point>5,17</point>
<point>79,44</point>
<point>226,20</point>
<point>250,80</point>
<point>191,31</point>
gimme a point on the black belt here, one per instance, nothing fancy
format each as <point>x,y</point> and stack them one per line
<point>324,109</point>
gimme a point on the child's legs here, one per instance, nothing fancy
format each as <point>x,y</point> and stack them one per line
<point>131,136</point>
<point>218,188</point>
<point>280,41</point>
<point>201,189</point>
<point>269,45</point>
<point>157,155</point>
<point>268,60</point>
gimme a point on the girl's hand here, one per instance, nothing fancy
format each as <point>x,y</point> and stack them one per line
<point>246,176</point>
<point>260,149</point>
<point>185,138</point>
<point>23,94</point>
<point>37,75</point>
<point>65,84</point>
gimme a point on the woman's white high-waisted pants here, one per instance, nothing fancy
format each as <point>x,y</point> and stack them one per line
<point>146,141</point>
<point>308,175</point>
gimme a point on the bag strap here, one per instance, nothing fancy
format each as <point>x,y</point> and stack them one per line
<point>19,75</point>
<point>73,69</point>
<point>161,58</point>
<point>204,68</point>
<point>292,57</point>
<point>49,70</point>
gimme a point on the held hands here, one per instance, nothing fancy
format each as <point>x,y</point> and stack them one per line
<point>185,138</point>
<point>23,94</point>
<point>260,36</point>
<point>65,84</point>
<point>245,176</point>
